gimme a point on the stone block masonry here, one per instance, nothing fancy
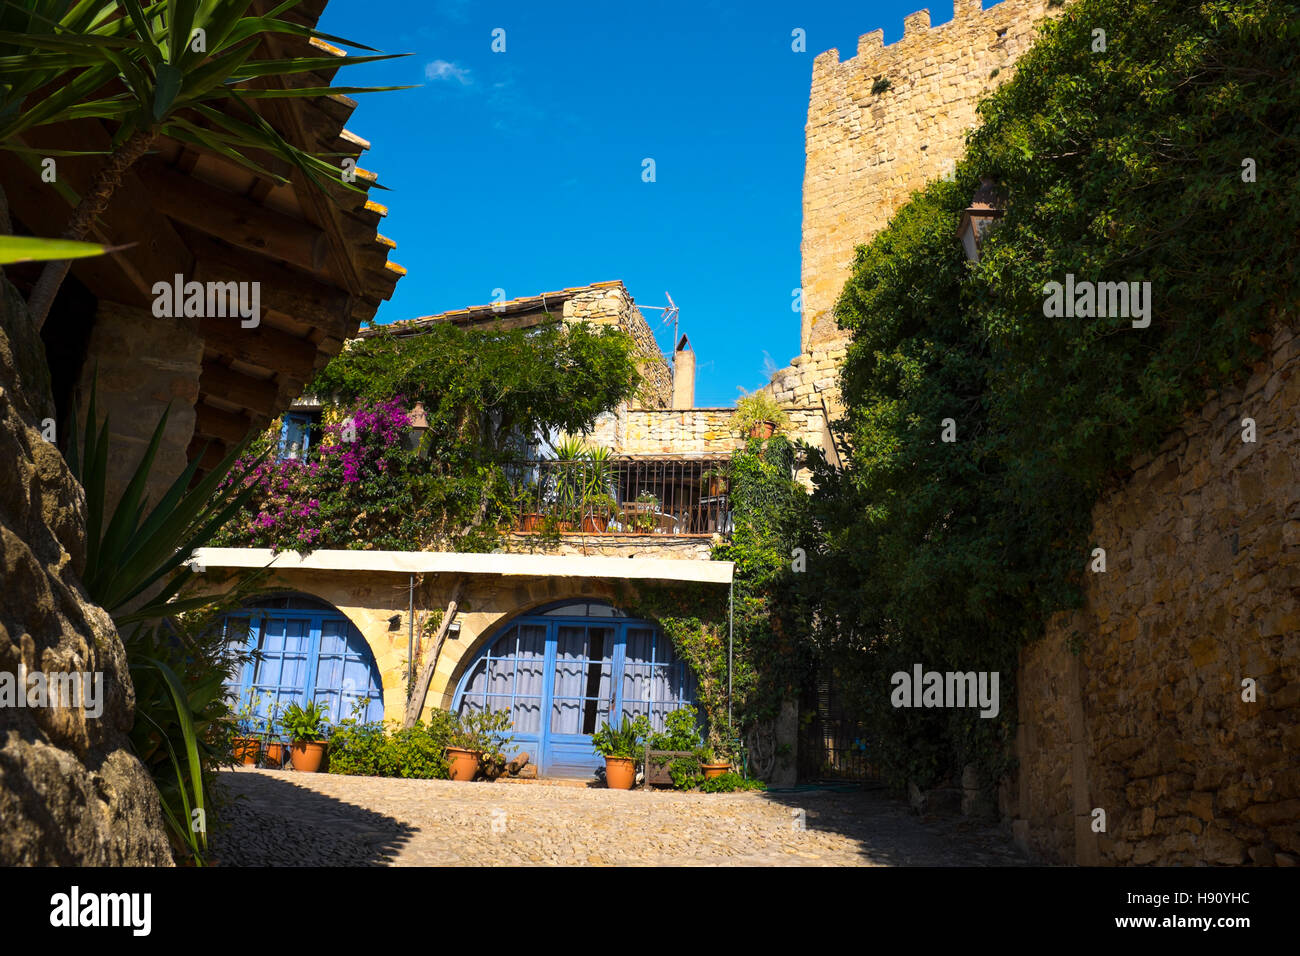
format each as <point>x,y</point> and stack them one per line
<point>686,432</point>
<point>608,303</point>
<point>1201,592</point>
<point>882,124</point>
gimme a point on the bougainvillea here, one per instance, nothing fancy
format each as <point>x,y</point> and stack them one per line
<point>367,483</point>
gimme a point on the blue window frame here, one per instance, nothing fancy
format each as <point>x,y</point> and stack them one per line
<point>304,653</point>
<point>295,434</point>
<point>562,672</point>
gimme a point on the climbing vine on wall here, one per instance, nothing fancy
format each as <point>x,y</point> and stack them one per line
<point>771,655</point>
<point>1172,158</point>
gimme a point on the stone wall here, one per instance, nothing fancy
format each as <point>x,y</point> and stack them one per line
<point>139,364</point>
<point>812,382</point>
<point>693,431</point>
<point>488,602</point>
<point>619,545</point>
<point>71,791</point>
<point>868,151</point>
<point>608,303</point>
<point>1201,592</point>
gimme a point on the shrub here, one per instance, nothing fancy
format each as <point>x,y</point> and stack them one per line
<point>730,782</point>
<point>758,407</point>
<point>375,750</point>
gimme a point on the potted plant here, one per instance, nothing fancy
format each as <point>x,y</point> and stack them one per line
<point>526,504</point>
<point>759,415</point>
<point>714,480</point>
<point>621,749</point>
<point>274,752</point>
<point>477,739</point>
<point>598,503</point>
<point>306,729</point>
<point>596,511</point>
<point>711,764</point>
<point>642,514</point>
<point>244,744</point>
<point>464,756</point>
<point>246,748</point>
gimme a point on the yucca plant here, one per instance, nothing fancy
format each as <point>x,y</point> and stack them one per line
<point>29,249</point>
<point>177,68</point>
<point>136,569</point>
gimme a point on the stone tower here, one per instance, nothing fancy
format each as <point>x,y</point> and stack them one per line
<point>881,125</point>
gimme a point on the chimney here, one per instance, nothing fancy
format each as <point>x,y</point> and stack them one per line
<point>683,374</point>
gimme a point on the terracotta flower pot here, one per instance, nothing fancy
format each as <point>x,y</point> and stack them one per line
<point>712,770</point>
<point>595,524</point>
<point>246,750</point>
<point>464,763</point>
<point>275,755</point>
<point>306,755</point>
<point>620,773</point>
<point>531,522</point>
<point>763,430</point>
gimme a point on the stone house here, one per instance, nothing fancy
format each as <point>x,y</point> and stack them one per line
<point>542,635</point>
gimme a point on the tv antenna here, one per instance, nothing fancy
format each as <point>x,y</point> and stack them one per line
<point>670,315</point>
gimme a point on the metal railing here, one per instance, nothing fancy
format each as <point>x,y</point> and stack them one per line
<point>620,496</point>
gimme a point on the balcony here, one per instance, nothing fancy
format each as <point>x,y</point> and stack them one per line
<point>620,496</point>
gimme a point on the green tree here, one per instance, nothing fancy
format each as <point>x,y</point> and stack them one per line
<point>1127,165</point>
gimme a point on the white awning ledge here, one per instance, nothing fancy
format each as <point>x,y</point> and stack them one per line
<point>443,562</point>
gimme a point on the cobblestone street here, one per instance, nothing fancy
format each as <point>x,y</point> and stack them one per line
<point>281,818</point>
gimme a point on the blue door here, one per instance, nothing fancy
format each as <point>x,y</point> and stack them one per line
<point>307,651</point>
<point>561,673</point>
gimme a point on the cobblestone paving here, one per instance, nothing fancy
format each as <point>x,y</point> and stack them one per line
<point>387,822</point>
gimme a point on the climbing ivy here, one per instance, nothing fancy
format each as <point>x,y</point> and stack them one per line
<point>771,654</point>
<point>1171,157</point>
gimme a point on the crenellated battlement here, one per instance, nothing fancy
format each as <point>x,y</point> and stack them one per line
<point>886,121</point>
<point>918,29</point>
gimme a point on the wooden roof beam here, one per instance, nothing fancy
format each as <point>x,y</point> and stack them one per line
<point>238,220</point>
<point>263,347</point>
<point>225,384</point>
<point>282,289</point>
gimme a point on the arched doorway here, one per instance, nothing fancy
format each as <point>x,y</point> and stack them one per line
<point>564,670</point>
<point>307,651</point>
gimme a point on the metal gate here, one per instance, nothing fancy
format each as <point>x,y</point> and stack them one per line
<point>833,746</point>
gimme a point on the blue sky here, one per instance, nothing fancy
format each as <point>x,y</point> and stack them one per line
<point>522,170</point>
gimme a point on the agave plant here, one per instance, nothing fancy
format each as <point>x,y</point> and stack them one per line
<point>136,569</point>
<point>29,249</point>
<point>129,551</point>
<point>177,68</point>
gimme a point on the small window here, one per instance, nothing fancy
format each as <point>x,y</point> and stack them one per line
<point>1002,34</point>
<point>295,434</point>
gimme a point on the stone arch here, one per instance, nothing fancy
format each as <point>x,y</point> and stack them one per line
<point>311,649</point>
<point>527,599</point>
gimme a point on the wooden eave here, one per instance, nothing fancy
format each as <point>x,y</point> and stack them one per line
<point>323,267</point>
